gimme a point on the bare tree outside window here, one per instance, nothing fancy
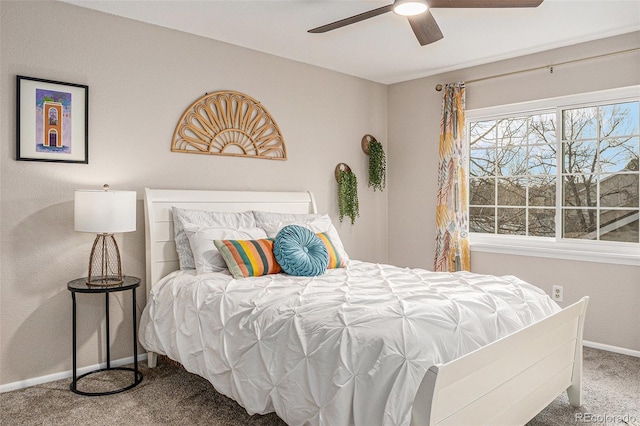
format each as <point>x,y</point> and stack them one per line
<point>514,174</point>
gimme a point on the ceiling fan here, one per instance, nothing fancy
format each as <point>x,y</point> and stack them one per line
<point>417,12</point>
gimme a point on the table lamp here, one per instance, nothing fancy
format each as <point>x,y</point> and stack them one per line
<point>104,212</point>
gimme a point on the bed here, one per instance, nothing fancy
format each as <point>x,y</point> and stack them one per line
<point>365,344</point>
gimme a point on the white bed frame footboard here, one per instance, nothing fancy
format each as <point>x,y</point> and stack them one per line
<point>510,380</point>
<point>506,382</point>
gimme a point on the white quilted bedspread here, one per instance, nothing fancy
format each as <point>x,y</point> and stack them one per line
<point>348,347</point>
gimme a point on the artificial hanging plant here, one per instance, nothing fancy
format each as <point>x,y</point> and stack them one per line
<point>348,195</point>
<point>377,166</point>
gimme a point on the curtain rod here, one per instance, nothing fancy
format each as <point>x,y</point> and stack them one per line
<point>439,87</point>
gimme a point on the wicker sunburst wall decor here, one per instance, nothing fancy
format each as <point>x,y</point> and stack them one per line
<point>229,123</point>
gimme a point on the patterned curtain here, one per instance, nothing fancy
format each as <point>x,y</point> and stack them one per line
<point>452,242</point>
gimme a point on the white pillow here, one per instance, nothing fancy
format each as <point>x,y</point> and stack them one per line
<point>203,218</point>
<point>206,256</point>
<point>271,217</point>
<point>272,223</point>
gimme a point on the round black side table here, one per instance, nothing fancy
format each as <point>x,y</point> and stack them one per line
<point>80,286</point>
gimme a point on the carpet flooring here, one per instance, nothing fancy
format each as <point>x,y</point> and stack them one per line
<point>168,395</point>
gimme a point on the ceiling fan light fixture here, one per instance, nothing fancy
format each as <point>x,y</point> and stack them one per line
<point>410,7</point>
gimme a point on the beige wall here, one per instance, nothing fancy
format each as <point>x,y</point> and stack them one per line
<point>414,120</point>
<point>141,78</point>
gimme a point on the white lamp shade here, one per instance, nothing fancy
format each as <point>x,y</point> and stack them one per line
<point>105,212</point>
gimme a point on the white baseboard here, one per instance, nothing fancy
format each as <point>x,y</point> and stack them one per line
<point>616,349</point>
<point>66,374</point>
<point>124,361</point>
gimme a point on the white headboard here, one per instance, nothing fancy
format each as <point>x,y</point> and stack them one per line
<point>161,254</point>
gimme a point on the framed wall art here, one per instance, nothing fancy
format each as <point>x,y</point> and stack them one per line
<point>52,121</point>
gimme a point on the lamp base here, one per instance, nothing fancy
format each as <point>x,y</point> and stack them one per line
<point>104,281</point>
<point>104,262</point>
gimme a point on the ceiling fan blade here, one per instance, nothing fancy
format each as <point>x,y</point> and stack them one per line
<point>425,28</point>
<point>352,20</point>
<point>484,3</point>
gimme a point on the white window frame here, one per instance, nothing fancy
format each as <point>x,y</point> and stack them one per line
<point>557,248</point>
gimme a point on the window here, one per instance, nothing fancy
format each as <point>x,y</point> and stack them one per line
<point>563,170</point>
<point>600,172</point>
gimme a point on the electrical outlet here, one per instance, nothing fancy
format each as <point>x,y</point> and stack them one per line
<point>557,293</point>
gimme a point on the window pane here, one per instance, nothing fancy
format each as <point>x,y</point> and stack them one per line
<point>542,222</point>
<point>512,161</point>
<point>619,119</point>
<point>579,223</point>
<point>618,154</point>
<point>511,221</point>
<point>482,134</point>
<point>619,225</point>
<point>483,191</point>
<point>542,129</point>
<point>511,191</point>
<point>542,160</point>
<point>542,191</point>
<point>619,190</point>
<point>512,131</point>
<point>580,123</point>
<point>579,190</point>
<point>579,157</point>
<point>482,219</point>
<point>482,162</point>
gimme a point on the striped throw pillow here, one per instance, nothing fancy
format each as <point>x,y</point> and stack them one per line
<point>335,261</point>
<point>248,258</point>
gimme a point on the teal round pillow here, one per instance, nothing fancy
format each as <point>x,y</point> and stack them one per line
<point>300,252</point>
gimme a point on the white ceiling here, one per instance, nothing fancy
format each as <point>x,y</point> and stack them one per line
<point>384,49</point>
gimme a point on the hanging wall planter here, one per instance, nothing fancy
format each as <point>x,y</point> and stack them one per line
<point>347,192</point>
<point>377,162</point>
